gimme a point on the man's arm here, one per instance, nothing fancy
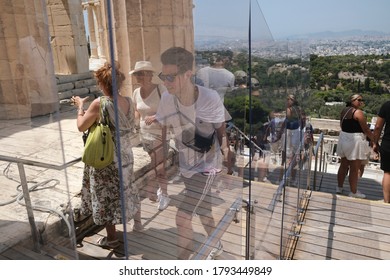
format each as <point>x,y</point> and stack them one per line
<point>377,133</point>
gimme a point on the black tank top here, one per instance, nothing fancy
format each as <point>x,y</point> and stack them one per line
<point>351,125</point>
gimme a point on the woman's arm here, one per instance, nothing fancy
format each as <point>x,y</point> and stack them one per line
<point>85,119</point>
<point>137,115</point>
<point>359,116</point>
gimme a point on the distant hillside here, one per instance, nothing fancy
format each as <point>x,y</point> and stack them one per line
<point>236,43</point>
<point>342,35</point>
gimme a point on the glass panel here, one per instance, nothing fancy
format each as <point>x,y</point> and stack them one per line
<point>283,71</point>
<point>40,151</point>
<point>216,40</point>
<point>252,183</point>
<point>279,70</point>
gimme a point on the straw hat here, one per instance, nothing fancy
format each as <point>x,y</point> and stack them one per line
<point>142,66</point>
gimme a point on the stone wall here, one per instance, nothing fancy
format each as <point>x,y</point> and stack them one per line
<point>77,84</point>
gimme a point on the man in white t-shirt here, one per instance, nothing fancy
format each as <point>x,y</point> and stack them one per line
<point>197,116</point>
<point>217,77</point>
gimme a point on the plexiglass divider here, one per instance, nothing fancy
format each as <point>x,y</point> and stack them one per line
<point>39,144</point>
<point>258,188</point>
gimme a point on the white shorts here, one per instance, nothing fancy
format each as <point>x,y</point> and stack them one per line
<point>352,146</point>
<point>293,141</point>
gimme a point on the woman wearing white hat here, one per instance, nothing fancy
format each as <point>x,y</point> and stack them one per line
<point>147,98</point>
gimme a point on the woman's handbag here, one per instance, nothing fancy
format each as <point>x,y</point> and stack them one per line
<point>99,147</point>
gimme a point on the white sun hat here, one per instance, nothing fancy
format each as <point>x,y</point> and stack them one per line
<point>142,66</point>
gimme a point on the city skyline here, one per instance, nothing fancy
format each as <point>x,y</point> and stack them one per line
<point>280,19</point>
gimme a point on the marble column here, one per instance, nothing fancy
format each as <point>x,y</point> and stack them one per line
<point>27,80</point>
<point>68,37</point>
<point>152,27</point>
<point>93,35</point>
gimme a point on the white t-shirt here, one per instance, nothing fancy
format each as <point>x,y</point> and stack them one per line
<point>148,107</point>
<point>218,79</point>
<point>204,117</point>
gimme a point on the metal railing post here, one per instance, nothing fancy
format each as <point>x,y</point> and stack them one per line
<point>250,229</point>
<point>29,208</point>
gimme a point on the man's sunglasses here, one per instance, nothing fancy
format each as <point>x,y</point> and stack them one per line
<point>169,77</point>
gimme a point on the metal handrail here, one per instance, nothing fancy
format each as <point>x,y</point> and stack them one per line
<point>39,164</point>
<point>302,203</point>
<point>247,138</point>
<point>26,194</point>
<point>231,215</point>
<point>319,144</point>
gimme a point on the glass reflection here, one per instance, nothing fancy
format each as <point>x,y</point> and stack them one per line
<point>208,171</point>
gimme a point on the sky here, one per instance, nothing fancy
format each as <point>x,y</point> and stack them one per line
<point>285,18</point>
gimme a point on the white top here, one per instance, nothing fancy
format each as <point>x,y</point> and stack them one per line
<point>218,79</point>
<point>205,116</point>
<point>148,107</point>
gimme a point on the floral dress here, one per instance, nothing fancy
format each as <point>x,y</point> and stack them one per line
<point>101,190</point>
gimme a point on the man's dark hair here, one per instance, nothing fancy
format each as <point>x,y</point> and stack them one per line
<point>178,56</point>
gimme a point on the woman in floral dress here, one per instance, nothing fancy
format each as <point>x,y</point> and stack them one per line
<point>101,188</point>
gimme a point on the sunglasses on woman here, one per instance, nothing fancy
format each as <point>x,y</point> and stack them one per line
<point>143,73</point>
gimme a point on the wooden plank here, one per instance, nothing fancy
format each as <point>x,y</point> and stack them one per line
<point>329,253</point>
<point>13,254</point>
<point>351,219</point>
<point>300,254</point>
<point>343,228</point>
<point>31,254</point>
<point>159,236</point>
<point>59,252</point>
<point>370,213</point>
<point>344,234</point>
<point>351,249</point>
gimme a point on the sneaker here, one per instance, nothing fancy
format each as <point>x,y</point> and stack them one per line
<point>215,252</point>
<point>357,195</point>
<point>164,202</point>
<point>339,190</point>
<point>177,179</point>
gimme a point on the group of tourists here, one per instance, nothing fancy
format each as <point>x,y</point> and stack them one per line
<point>193,111</point>
<point>167,101</point>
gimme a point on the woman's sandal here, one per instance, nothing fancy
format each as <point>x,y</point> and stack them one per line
<point>104,243</point>
<point>153,198</point>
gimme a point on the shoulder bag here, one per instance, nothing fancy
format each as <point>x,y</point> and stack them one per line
<point>99,147</point>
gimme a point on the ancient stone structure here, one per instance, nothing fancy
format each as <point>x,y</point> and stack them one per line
<point>27,78</point>
<point>42,40</point>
